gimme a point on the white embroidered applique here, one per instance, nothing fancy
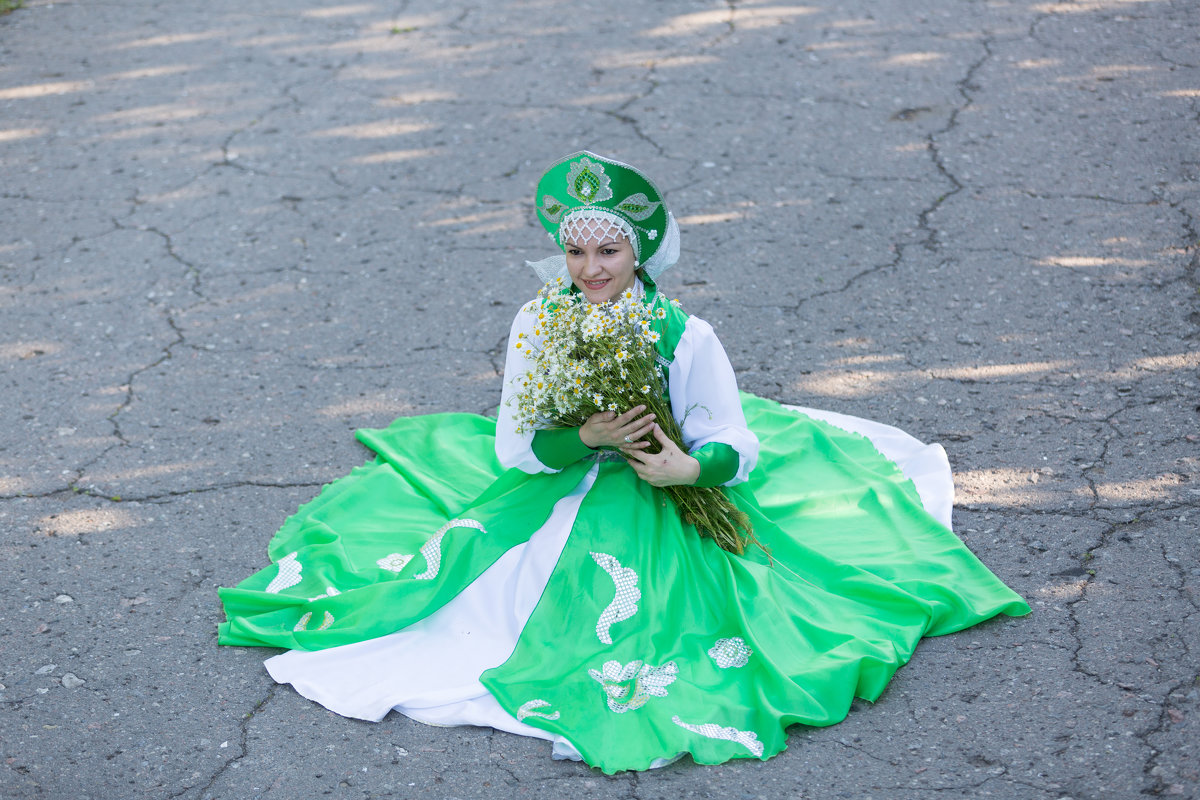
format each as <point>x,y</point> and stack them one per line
<point>530,710</point>
<point>552,209</point>
<point>302,625</point>
<point>587,183</point>
<point>433,548</point>
<point>732,652</point>
<point>329,592</point>
<point>624,604</point>
<point>394,562</point>
<point>747,739</point>
<point>628,688</point>
<point>638,207</point>
<point>288,575</point>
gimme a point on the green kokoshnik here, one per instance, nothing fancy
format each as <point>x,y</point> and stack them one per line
<point>585,182</point>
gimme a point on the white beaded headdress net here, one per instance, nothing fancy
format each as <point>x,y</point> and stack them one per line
<point>596,227</point>
<point>590,225</point>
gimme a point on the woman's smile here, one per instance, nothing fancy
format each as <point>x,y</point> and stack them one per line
<point>602,268</point>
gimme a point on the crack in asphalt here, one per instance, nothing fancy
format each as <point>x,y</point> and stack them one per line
<point>965,88</point>
<point>497,759</point>
<point>71,490</point>
<point>191,272</point>
<point>243,735</point>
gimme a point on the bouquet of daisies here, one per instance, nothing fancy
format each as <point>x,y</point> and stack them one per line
<point>585,358</point>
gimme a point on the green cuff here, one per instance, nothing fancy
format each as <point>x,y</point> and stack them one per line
<point>719,463</point>
<point>559,448</point>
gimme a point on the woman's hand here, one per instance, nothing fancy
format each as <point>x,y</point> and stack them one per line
<point>606,429</point>
<point>668,467</point>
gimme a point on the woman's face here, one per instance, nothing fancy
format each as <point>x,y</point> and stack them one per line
<point>601,268</point>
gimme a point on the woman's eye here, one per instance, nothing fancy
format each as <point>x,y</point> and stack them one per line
<point>608,251</point>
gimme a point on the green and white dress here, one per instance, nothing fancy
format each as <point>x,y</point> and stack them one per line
<point>458,580</point>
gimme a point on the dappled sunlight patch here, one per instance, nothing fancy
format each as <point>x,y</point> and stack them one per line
<point>12,134</point>
<point>749,18</point>
<point>1070,589</point>
<point>381,129</point>
<point>710,219</point>
<point>911,147</point>
<point>374,72</point>
<point>745,18</point>
<point>392,156</point>
<point>1104,72</point>
<point>1118,70</point>
<point>164,112</point>
<point>880,358</point>
<point>84,521</point>
<point>913,59</point>
<point>691,23</point>
<point>45,89</point>
<point>851,385</point>
<point>111,391</point>
<point>1181,361</point>
<point>1142,490</point>
<point>503,219</point>
<point>1088,6</point>
<point>1186,93</point>
<point>11,485</point>
<point>990,371</point>
<point>421,49</point>
<point>676,62</point>
<point>269,40</point>
<point>1075,262</point>
<point>135,132</point>
<point>18,351</point>
<point>1038,63</point>
<point>629,59</point>
<point>182,194</point>
<point>857,342</point>
<point>373,405</point>
<point>398,26</point>
<point>1009,486</point>
<point>149,72</point>
<point>170,39</point>
<point>339,11</point>
<point>818,47</point>
<point>415,98</point>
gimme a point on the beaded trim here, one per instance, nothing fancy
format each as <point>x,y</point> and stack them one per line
<point>288,575</point>
<point>629,687</point>
<point>433,548</point>
<point>529,709</point>
<point>587,225</point>
<point>747,739</point>
<point>624,603</point>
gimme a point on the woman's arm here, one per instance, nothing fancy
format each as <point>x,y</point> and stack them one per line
<point>515,449</point>
<point>704,397</point>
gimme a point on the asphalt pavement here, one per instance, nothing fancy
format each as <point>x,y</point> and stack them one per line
<point>233,232</point>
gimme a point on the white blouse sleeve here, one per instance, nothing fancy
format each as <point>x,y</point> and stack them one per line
<point>704,396</point>
<point>516,449</point>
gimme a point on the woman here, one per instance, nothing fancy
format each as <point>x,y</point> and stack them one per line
<point>537,582</point>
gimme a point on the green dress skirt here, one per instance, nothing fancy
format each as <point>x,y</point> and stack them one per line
<point>640,641</point>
